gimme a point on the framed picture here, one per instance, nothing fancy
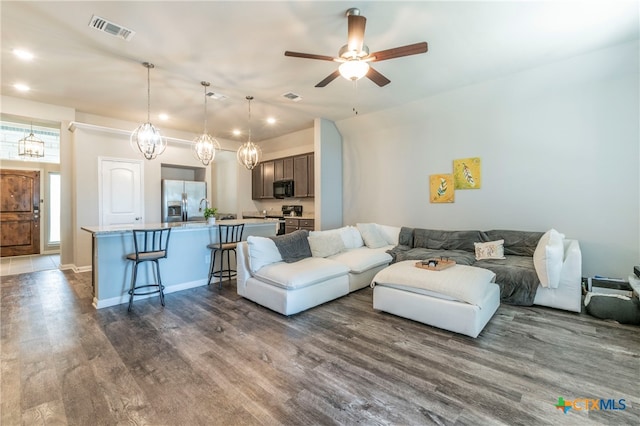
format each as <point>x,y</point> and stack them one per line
<point>466,173</point>
<point>441,188</point>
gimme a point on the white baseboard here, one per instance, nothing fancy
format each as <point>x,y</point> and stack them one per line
<point>74,268</point>
<point>105,303</point>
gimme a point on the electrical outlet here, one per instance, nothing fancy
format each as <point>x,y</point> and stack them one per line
<point>206,258</point>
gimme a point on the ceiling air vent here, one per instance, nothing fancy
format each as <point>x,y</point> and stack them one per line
<point>109,27</point>
<point>216,96</point>
<point>292,96</point>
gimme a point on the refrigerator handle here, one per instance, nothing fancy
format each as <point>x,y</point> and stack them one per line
<point>184,207</point>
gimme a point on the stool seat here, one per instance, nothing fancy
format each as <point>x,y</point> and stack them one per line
<point>225,246</point>
<point>152,255</point>
<point>150,246</point>
<point>228,238</point>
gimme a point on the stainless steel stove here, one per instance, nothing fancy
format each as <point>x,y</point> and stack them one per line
<point>286,211</point>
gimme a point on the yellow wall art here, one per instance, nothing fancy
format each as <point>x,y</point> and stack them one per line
<point>466,173</point>
<point>441,188</point>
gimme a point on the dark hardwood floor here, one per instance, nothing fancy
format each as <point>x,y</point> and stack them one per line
<point>212,357</point>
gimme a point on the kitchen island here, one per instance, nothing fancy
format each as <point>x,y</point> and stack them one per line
<point>186,265</point>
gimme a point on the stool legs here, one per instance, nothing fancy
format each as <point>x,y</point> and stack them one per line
<point>221,272</point>
<point>158,280</point>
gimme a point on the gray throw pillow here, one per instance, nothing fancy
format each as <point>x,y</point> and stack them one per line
<point>293,246</point>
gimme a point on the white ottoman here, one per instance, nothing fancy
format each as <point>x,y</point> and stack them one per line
<point>461,299</point>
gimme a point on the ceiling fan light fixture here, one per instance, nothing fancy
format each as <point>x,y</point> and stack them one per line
<point>205,145</point>
<point>147,138</point>
<point>354,69</point>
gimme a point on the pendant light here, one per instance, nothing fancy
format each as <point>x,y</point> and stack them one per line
<point>205,146</point>
<point>249,153</point>
<point>147,138</point>
<point>30,146</point>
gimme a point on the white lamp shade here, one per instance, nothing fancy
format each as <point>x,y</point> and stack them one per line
<point>354,69</point>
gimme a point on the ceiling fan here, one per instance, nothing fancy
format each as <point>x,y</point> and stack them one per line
<point>355,57</point>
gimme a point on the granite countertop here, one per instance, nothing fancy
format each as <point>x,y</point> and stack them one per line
<point>178,226</point>
<point>272,213</point>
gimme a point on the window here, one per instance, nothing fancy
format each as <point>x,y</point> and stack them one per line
<point>12,132</point>
<point>54,209</point>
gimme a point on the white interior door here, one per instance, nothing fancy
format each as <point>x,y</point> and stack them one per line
<point>120,198</point>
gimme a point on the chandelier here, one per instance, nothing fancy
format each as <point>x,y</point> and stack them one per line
<point>249,153</point>
<point>30,146</point>
<point>147,138</point>
<point>205,146</point>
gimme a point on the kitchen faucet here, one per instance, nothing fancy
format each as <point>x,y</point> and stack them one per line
<point>206,204</point>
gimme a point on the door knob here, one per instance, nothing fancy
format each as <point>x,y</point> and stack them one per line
<point>138,218</point>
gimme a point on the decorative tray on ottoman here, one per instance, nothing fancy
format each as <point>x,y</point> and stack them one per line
<point>436,264</point>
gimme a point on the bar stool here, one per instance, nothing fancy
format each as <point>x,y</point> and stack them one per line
<point>228,238</point>
<point>150,245</point>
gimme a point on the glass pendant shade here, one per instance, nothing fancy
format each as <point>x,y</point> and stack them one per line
<point>147,138</point>
<point>249,153</point>
<point>31,147</point>
<point>354,69</point>
<point>205,145</point>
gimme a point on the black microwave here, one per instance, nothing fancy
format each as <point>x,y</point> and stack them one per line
<point>283,188</point>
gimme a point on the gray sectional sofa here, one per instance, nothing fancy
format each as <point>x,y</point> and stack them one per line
<point>515,274</point>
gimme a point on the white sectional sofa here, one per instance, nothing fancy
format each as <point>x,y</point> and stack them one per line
<point>343,260</point>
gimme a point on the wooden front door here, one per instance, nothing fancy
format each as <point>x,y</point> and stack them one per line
<point>19,212</point>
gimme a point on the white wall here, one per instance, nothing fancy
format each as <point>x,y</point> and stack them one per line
<point>53,113</point>
<point>559,146</point>
<point>328,175</point>
<point>224,182</point>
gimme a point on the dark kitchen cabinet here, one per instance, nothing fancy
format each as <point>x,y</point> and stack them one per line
<point>256,182</point>
<point>311,178</point>
<point>287,166</point>
<point>267,179</point>
<point>293,224</point>
<point>303,175</point>
<point>278,169</point>
<point>299,168</point>
<point>283,168</point>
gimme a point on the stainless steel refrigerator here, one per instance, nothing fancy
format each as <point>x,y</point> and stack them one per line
<point>183,200</point>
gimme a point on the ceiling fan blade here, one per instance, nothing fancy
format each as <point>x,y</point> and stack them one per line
<point>308,56</point>
<point>396,52</point>
<point>355,32</point>
<point>329,79</point>
<point>377,78</point>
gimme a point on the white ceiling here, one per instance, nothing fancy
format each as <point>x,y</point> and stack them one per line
<point>239,47</point>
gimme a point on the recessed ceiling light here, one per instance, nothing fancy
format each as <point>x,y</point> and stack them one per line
<point>23,54</point>
<point>21,87</point>
<point>271,120</point>
<point>163,117</point>
<point>236,132</point>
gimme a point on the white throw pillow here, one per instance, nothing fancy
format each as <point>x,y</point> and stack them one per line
<point>548,257</point>
<point>490,250</point>
<point>371,235</point>
<point>351,237</point>
<point>262,252</point>
<point>325,244</point>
